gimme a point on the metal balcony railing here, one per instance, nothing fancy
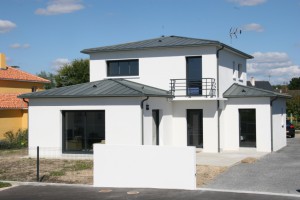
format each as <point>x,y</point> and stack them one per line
<point>205,87</point>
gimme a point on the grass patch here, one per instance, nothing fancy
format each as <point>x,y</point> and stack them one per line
<point>2,184</point>
<point>83,165</point>
<point>57,173</point>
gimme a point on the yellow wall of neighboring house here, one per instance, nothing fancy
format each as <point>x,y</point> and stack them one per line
<point>7,86</point>
<point>13,120</point>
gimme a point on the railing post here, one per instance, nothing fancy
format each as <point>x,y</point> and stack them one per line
<point>38,164</point>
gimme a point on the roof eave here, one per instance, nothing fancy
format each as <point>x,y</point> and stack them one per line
<point>92,96</point>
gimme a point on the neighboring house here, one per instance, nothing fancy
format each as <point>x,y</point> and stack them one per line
<point>13,82</point>
<point>164,91</point>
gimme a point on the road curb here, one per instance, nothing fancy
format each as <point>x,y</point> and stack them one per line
<point>249,192</point>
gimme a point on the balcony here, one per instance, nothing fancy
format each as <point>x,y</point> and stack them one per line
<point>206,87</point>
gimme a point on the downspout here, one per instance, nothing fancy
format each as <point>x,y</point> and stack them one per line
<point>26,101</point>
<point>142,117</point>
<point>218,95</point>
<point>271,104</point>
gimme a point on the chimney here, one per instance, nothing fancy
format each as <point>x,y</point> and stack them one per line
<point>252,80</point>
<point>2,61</point>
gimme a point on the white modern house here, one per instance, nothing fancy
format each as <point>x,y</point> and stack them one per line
<point>166,91</point>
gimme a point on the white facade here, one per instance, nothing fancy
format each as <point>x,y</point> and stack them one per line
<point>127,124</point>
<point>157,67</point>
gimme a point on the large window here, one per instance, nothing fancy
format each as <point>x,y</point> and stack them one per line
<point>81,129</point>
<point>123,68</point>
<point>194,76</point>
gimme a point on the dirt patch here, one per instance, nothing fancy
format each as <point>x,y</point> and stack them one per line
<point>15,166</point>
<point>249,160</point>
<point>206,173</point>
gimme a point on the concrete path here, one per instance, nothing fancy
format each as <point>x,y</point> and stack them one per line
<point>277,172</point>
<point>227,158</point>
<point>50,192</point>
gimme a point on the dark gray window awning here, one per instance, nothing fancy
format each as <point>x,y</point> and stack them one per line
<point>241,91</point>
<point>102,88</point>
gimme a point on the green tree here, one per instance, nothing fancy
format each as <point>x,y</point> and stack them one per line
<point>73,73</point>
<point>294,84</point>
<point>49,76</point>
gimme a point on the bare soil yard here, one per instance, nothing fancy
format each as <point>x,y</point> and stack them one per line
<point>15,166</point>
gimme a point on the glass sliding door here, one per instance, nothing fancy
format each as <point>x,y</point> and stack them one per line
<point>195,127</point>
<point>81,129</point>
<point>247,127</point>
<point>194,76</point>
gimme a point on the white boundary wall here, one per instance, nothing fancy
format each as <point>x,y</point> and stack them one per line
<point>137,166</point>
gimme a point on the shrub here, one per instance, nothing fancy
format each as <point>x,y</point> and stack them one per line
<point>15,140</point>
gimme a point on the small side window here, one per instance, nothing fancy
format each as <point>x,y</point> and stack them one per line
<point>33,89</point>
<point>240,71</point>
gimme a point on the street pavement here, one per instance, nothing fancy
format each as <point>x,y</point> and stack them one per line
<point>50,192</point>
<point>278,172</point>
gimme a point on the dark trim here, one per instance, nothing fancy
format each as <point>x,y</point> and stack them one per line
<point>142,118</point>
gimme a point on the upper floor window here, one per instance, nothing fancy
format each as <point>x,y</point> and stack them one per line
<point>123,68</point>
<point>240,71</point>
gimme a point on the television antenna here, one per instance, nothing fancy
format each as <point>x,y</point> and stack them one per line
<point>234,32</point>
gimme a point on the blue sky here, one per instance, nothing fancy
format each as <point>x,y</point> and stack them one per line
<point>44,34</point>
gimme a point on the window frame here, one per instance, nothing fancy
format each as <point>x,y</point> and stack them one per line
<point>63,135</point>
<point>119,68</point>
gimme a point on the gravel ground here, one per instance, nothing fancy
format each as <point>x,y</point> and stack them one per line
<point>277,172</point>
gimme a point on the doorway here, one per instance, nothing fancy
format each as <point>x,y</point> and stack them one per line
<point>247,127</point>
<point>155,127</point>
<point>195,127</point>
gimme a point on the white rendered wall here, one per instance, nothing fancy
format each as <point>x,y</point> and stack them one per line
<point>144,166</point>
<point>279,123</point>
<point>122,120</point>
<point>230,123</point>
<point>210,123</point>
<point>157,67</point>
<point>228,76</point>
<point>165,126</point>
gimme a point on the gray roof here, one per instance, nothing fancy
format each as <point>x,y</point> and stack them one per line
<point>102,88</point>
<point>240,91</point>
<point>265,85</point>
<point>163,42</point>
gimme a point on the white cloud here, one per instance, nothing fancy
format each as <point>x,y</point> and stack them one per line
<point>56,7</point>
<point>59,62</point>
<point>247,2</point>
<point>19,46</point>
<point>253,27</point>
<point>6,26</point>
<point>275,66</point>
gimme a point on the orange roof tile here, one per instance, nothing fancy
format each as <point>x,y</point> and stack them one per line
<point>15,74</point>
<point>11,101</point>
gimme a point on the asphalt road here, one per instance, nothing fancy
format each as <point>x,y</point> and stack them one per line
<point>278,172</point>
<point>47,192</point>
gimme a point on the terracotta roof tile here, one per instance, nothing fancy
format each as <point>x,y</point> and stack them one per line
<point>15,74</point>
<point>11,101</point>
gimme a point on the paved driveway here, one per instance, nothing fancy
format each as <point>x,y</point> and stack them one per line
<point>48,192</point>
<point>277,172</point>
